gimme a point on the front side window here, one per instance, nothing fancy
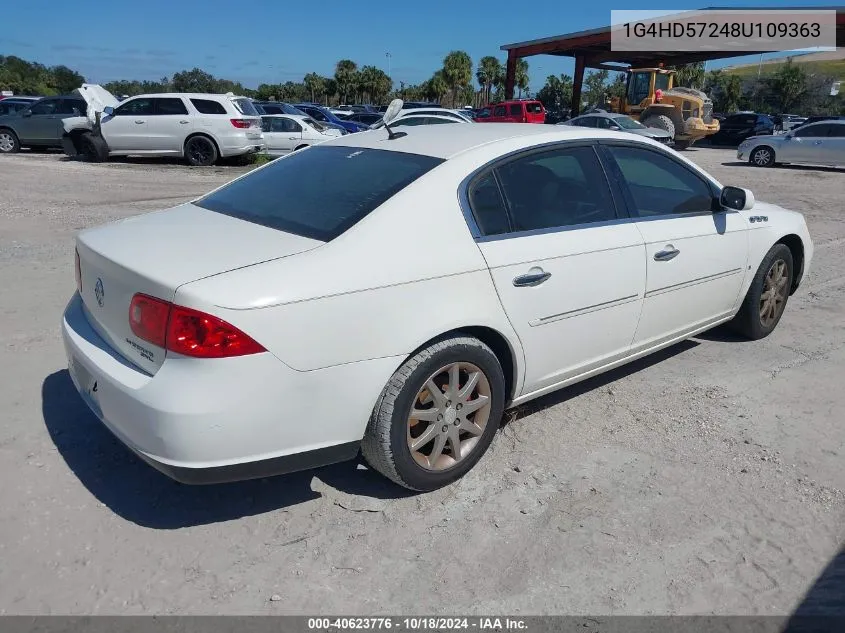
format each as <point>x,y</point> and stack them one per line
<point>661,81</point>
<point>836,131</point>
<point>134,107</point>
<point>562,187</point>
<point>815,130</point>
<point>534,108</point>
<point>48,106</point>
<point>170,105</point>
<point>627,123</point>
<point>658,185</point>
<point>76,107</point>
<point>319,193</point>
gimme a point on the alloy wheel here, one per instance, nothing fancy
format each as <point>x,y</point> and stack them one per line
<point>773,297</point>
<point>448,416</point>
<point>7,143</point>
<point>762,157</point>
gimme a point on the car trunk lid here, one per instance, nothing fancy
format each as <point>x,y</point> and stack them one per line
<point>154,254</point>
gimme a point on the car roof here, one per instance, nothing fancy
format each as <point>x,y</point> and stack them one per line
<point>188,95</point>
<point>298,117</point>
<point>435,141</point>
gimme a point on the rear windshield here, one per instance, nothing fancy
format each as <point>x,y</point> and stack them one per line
<point>319,192</point>
<point>245,106</point>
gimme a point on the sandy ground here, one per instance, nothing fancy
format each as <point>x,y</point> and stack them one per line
<point>706,479</point>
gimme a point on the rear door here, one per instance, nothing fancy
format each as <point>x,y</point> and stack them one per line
<point>500,114</point>
<point>835,144</point>
<point>695,257</point>
<point>169,125</point>
<point>127,129</point>
<point>516,113</point>
<point>805,146</point>
<point>569,271</point>
<point>534,112</point>
<point>40,123</point>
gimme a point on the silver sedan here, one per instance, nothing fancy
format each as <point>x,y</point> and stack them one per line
<point>821,143</point>
<point>619,122</point>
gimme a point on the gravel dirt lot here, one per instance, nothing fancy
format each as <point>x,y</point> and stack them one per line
<point>706,479</point>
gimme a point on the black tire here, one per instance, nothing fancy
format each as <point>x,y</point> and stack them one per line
<point>92,148</point>
<point>748,320</point>
<point>661,122</point>
<point>682,145</point>
<point>762,156</point>
<point>298,147</point>
<point>200,151</point>
<point>385,444</point>
<point>9,143</point>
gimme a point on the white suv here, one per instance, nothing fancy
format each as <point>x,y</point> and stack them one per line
<point>199,127</point>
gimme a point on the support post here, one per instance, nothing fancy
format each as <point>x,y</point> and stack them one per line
<point>577,82</point>
<point>510,74</point>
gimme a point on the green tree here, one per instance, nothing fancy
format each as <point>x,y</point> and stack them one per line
<point>557,92</point>
<point>521,79</point>
<point>690,75</point>
<point>488,74</point>
<point>345,76</point>
<point>595,90</point>
<point>457,72</point>
<point>315,85</point>
<point>65,80</point>
<point>618,87</point>
<point>436,87</point>
<point>195,80</point>
<point>788,85</point>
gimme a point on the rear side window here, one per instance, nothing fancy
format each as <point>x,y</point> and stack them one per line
<point>516,108</point>
<point>245,107</point>
<point>487,206</point>
<point>836,131</point>
<point>170,105</point>
<point>499,111</point>
<point>534,108</point>
<point>207,106</point>
<point>319,192</point>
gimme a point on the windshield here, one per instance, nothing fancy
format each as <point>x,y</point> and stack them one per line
<point>317,126</point>
<point>661,81</point>
<point>627,123</point>
<point>319,192</point>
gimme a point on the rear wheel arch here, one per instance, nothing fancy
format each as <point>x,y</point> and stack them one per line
<point>796,247</point>
<point>205,135</point>
<point>495,340</point>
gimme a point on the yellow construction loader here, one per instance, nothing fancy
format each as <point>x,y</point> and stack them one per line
<point>651,98</point>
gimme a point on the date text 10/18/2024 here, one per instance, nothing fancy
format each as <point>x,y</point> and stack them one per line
<point>417,624</point>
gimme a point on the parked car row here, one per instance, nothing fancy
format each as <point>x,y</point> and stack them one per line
<point>819,143</point>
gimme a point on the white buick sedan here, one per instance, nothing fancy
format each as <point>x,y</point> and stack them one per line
<point>394,295</point>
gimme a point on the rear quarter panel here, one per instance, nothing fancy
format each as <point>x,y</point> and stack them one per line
<point>403,275</point>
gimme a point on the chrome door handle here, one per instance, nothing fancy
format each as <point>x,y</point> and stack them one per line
<point>292,138</point>
<point>670,252</point>
<point>184,122</point>
<point>531,279</point>
<point>817,143</point>
<point>139,121</point>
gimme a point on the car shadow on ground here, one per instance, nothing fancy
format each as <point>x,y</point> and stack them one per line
<point>823,607</point>
<point>140,494</point>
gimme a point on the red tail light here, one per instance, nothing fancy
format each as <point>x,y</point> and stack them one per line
<point>186,331</point>
<point>78,271</point>
<point>241,123</point>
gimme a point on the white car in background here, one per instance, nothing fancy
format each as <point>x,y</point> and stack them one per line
<point>456,116</point>
<point>423,119</point>
<point>285,133</point>
<point>198,127</point>
<point>313,313</point>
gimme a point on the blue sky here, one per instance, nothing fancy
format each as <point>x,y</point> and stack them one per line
<point>275,40</point>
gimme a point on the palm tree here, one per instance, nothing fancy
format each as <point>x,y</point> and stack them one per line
<point>437,86</point>
<point>690,75</point>
<point>457,72</point>
<point>488,74</point>
<point>315,84</point>
<point>521,77</point>
<point>344,75</point>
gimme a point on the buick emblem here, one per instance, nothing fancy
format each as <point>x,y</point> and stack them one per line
<point>99,292</point>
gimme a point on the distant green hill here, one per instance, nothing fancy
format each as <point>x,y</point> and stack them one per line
<point>833,68</point>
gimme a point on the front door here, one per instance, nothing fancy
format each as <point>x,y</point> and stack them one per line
<point>127,129</point>
<point>569,271</point>
<point>805,145</point>
<point>39,125</point>
<point>695,252</point>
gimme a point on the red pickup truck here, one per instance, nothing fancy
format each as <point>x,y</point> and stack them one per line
<point>517,111</point>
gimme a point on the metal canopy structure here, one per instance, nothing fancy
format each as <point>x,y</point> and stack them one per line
<point>592,49</point>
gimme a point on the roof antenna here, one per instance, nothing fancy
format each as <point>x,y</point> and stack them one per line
<point>390,114</point>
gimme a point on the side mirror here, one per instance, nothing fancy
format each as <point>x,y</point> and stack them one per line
<point>788,135</point>
<point>26,113</point>
<point>108,111</point>
<point>736,198</point>
<point>614,127</point>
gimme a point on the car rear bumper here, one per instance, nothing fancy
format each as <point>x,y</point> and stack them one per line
<point>216,420</point>
<point>240,143</point>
